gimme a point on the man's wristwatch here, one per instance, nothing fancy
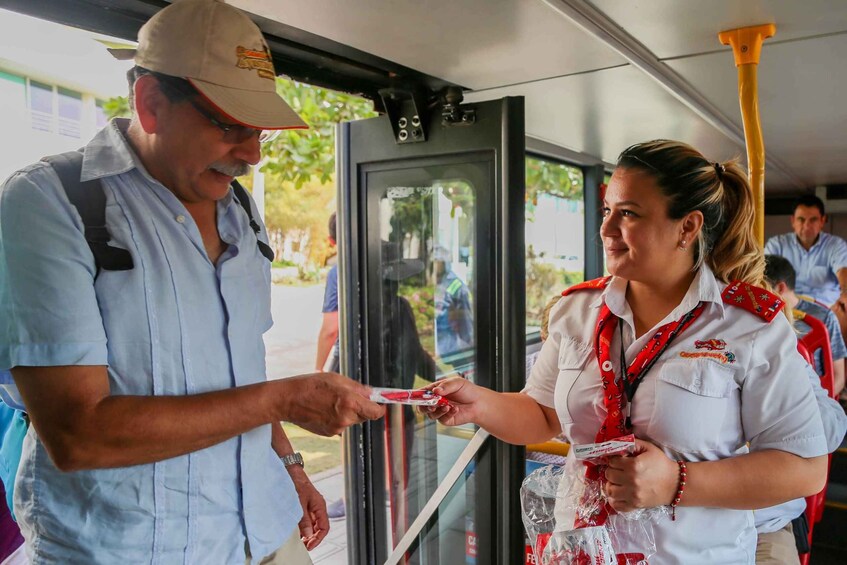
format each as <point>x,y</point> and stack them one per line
<point>292,459</point>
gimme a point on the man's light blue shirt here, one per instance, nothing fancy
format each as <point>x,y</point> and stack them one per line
<point>816,267</point>
<point>176,324</point>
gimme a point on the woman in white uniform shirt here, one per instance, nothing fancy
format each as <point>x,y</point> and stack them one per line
<point>676,231</point>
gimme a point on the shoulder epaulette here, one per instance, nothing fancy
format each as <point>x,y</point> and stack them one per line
<point>595,284</point>
<point>758,301</point>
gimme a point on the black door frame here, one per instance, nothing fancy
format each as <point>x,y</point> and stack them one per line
<point>369,145</point>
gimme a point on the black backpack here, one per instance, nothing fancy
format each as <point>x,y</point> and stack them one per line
<point>90,201</point>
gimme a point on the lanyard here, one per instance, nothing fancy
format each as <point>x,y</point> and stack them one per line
<point>619,390</point>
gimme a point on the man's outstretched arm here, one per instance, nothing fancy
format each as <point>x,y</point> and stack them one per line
<point>84,427</point>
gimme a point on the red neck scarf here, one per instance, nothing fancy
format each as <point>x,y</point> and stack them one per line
<point>619,392</point>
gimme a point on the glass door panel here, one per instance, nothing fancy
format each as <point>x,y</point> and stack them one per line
<point>426,288</point>
<point>433,286</point>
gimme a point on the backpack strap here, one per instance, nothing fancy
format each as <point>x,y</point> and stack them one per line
<point>90,201</point>
<point>244,199</point>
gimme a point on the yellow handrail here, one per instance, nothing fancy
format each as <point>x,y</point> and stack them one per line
<point>550,447</point>
<point>746,45</point>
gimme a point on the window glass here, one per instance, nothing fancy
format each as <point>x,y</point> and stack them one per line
<point>70,104</point>
<point>40,97</point>
<point>70,112</point>
<point>427,284</point>
<point>555,233</point>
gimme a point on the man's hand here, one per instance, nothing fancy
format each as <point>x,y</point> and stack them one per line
<point>326,403</point>
<point>643,480</point>
<point>314,526</point>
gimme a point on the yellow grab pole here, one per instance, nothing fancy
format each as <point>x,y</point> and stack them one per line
<point>746,45</point>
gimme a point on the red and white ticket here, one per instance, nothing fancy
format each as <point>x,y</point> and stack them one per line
<point>618,446</point>
<point>407,396</point>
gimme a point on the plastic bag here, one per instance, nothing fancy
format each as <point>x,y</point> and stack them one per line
<point>554,500</point>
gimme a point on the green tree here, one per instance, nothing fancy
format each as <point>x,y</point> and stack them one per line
<point>555,179</point>
<point>117,107</point>
<point>300,155</point>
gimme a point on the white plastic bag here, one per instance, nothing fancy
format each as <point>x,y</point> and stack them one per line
<point>565,513</point>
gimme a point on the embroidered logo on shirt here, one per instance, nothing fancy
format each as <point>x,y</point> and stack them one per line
<point>710,344</point>
<point>720,356</point>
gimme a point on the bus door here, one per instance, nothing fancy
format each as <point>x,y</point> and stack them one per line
<point>431,221</point>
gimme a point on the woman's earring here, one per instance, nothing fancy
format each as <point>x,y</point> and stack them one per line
<point>682,245</point>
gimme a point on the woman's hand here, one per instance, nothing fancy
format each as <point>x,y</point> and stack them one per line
<point>464,399</point>
<point>646,479</point>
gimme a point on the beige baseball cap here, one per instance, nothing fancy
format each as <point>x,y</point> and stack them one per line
<point>222,53</point>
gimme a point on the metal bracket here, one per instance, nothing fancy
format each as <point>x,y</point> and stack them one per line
<point>406,111</point>
<point>452,112</point>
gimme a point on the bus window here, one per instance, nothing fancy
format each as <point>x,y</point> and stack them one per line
<point>555,233</point>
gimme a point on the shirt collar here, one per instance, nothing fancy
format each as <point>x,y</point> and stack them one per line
<point>819,241</point>
<point>109,153</point>
<point>704,288</point>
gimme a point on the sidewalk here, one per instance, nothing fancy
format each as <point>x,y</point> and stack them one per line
<point>333,549</point>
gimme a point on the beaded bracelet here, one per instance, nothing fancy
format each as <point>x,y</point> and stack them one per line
<point>683,472</point>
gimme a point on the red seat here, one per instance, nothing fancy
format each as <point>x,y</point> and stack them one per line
<point>816,339</point>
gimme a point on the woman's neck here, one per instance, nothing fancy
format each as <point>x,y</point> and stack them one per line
<point>651,301</point>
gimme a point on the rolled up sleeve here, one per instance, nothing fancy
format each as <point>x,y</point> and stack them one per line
<point>48,306</point>
<point>778,407</point>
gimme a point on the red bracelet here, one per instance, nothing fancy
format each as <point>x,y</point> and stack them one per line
<point>680,488</point>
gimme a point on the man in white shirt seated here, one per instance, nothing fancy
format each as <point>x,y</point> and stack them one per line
<point>782,276</point>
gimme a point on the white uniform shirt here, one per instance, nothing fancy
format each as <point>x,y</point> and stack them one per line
<point>696,404</point>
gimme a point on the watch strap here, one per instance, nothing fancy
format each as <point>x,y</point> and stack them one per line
<point>292,459</point>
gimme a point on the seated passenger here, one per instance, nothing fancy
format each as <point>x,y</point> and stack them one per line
<point>720,399</point>
<point>781,275</point>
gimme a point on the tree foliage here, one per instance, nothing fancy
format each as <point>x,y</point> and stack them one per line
<point>117,107</point>
<point>555,179</point>
<point>299,156</point>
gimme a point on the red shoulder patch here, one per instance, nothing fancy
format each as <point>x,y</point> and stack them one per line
<point>758,301</point>
<point>596,284</point>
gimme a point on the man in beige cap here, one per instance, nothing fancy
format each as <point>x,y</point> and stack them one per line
<point>155,435</point>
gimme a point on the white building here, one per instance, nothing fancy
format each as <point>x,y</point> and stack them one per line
<point>53,81</point>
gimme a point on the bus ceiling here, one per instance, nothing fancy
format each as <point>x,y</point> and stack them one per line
<point>298,54</point>
<point>596,75</point>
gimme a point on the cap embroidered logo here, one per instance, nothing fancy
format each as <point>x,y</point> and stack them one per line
<point>259,60</point>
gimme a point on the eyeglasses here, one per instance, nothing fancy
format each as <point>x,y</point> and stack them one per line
<point>235,133</point>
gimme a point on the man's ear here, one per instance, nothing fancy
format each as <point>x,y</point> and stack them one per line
<point>149,103</point>
<point>780,288</point>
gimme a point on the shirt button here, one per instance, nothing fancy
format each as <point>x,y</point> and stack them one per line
<point>180,219</point>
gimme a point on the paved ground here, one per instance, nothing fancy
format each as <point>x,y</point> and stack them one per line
<point>333,549</point>
<point>291,342</point>
<point>291,349</point>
